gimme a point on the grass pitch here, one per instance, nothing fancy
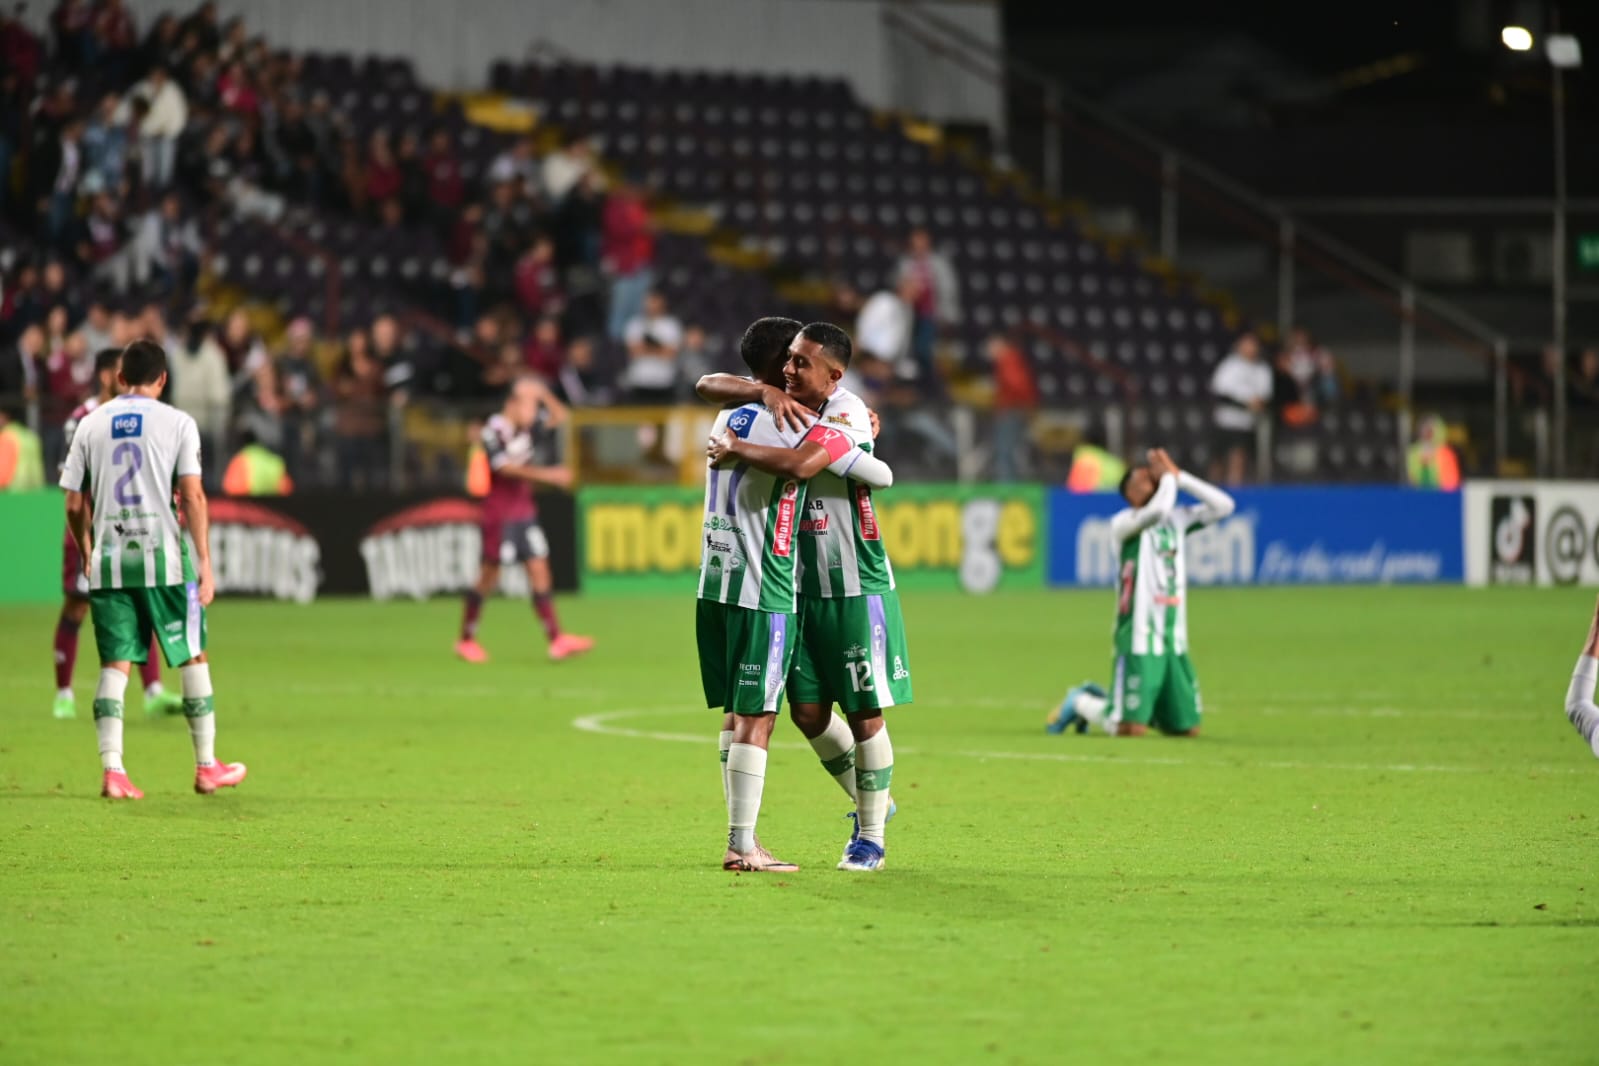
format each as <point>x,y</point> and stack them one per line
<point>1381,851</point>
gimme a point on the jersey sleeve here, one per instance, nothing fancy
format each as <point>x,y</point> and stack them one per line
<point>188,460</point>
<point>1129,522</point>
<point>495,446</point>
<point>1214,504</point>
<point>75,470</point>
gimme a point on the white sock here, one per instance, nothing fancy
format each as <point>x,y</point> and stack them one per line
<point>836,748</point>
<point>724,740</point>
<point>1091,708</point>
<point>746,779</point>
<point>874,770</point>
<point>199,709</point>
<point>63,693</point>
<point>108,717</point>
<point>153,691</point>
<point>1579,700</point>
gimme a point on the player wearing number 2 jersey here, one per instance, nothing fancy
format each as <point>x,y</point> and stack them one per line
<point>1154,681</point>
<point>127,457</point>
<point>747,612</point>
<point>75,585</point>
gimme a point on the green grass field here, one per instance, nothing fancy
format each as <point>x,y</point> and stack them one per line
<point>1381,851</point>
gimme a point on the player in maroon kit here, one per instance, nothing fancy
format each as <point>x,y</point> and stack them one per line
<point>75,587</point>
<point>510,523</point>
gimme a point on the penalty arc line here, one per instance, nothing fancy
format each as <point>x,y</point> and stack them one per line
<point>601,724</point>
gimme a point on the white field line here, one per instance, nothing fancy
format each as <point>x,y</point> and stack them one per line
<point>603,723</point>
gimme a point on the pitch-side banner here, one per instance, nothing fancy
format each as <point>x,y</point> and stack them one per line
<point>1280,536</point>
<point>1532,532</point>
<point>972,537</point>
<point>382,545</point>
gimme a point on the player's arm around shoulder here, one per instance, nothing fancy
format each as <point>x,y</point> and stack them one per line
<point>730,390</point>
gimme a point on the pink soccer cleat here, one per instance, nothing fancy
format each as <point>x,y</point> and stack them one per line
<point>114,785</point>
<point>759,861</point>
<point>567,645</point>
<point>471,651</point>
<point>207,779</point>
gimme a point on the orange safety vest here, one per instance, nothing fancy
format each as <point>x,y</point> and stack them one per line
<point>477,471</point>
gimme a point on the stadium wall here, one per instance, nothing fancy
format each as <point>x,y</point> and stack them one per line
<point>1532,532</point>
<point>454,44</point>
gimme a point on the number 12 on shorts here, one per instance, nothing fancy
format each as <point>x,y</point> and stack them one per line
<point>860,675</point>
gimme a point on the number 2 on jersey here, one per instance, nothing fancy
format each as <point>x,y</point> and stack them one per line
<point>130,453</point>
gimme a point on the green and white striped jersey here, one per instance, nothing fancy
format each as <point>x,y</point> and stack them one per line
<point>1152,586</point>
<point>126,456</point>
<point>841,548</point>
<point>749,556</point>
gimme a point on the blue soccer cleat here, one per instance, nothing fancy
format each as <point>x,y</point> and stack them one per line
<point>1066,717</point>
<point>862,856</point>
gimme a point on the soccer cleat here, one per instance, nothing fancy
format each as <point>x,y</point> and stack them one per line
<point>1066,717</point>
<point>855,826</point>
<point>167,703</point>
<point>567,645</point>
<point>862,856</point>
<point>759,861</point>
<point>207,779</point>
<point>114,785</point>
<point>65,706</point>
<point>471,651</point>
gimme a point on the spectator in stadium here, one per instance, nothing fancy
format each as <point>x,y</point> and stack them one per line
<point>445,186</point>
<point>578,226</point>
<point>168,248</point>
<point>163,124</point>
<point>1242,389</point>
<point>160,47</point>
<point>59,166</point>
<point>693,363</point>
<point>256,470</point>
<point>300,385</point>
<point>883,326</point>
<point>1308,378</point>
<point>399,373</point>
<point>516,166</point>
<point>580,382</point>
<point>1431,462</point>
<point>202,387</point>
<point>360,421</point>
<point>542,353</point>
<point>381,177</point>
<point>566,167</point>
<point>654,337</point>
<point>629,253</point>
<point>21,55</point>
<point>13,118</point>
<point>96,325</point>
<point>1015,404</point>
<point>72,23</point>
<point>21,372</point>
<point>535,279</point>
<point>105,145</point>
<point>1584,399</point>
<point>935,299</point>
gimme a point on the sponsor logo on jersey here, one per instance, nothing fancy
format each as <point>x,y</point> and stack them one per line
<point>900,673</point>
<point>855,651</point>
<point>718,545</point>
<point>123,426</point>
<point>783,531</point>
<point>741,421</point>
<point>750,668</point>
<point>839,419</point>
<point>868,517</point>
<point>817,525</point>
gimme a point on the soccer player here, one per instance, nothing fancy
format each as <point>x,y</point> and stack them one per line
<point>1580,708</point>
<point>75,587</point>
<point>1154,681</point>
<point>852,650</point>
<point>127,455</point>
<point>747,614</point>
<point>510,522</point>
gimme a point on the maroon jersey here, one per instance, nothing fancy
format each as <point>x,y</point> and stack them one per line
<point>509,499</point>
<point>71,425</point>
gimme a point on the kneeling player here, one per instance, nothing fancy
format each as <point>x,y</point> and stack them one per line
<point>510,526</point>
<point>1580,707</point>
<point>1153,680</point>
<point>75,586</point>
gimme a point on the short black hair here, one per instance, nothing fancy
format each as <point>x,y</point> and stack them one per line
<point>106,359</point>
<point>767,340</point>
<point>143,363</point>
<point>834,341</point>
<point>1128,477</point>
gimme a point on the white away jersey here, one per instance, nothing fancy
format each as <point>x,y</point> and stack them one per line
<point>127,456</point>
<point>841,550</point>
<point>749,556</point>
<point>1152,584</point>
